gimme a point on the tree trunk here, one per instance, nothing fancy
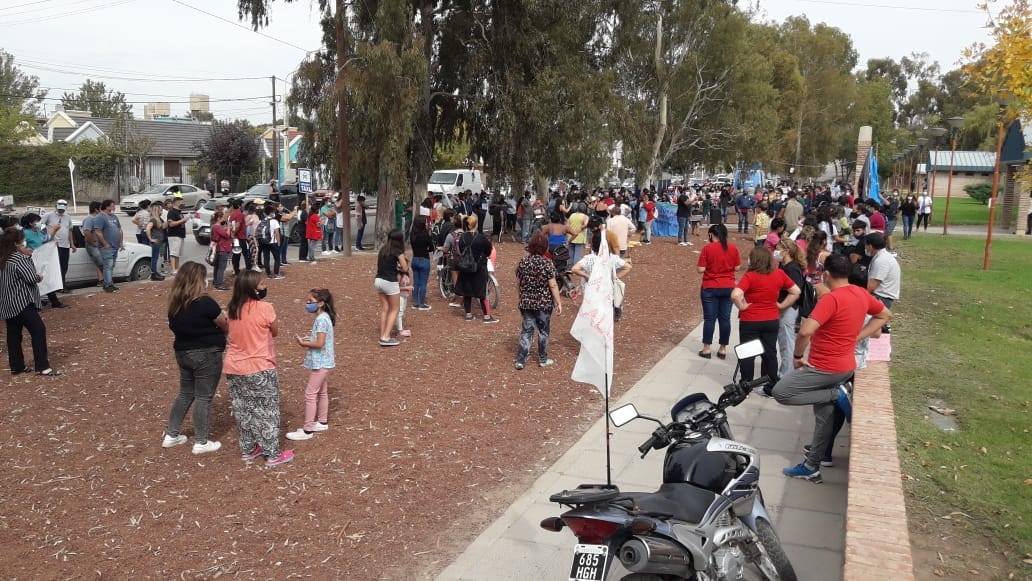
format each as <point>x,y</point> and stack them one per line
<point>542,186</point>
<point>422,145</point>
<point>799,140</point>
<point>384,206</point>
<point>343,145</point>
<point>654,164</point>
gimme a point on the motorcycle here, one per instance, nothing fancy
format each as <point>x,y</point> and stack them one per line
<point>707,521</point>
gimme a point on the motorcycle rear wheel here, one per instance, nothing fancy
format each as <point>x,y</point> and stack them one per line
<point>773,562</point>
<point>642,577</point>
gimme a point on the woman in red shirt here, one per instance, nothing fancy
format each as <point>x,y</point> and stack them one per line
<point>718,262</point>
<point>759,310</point>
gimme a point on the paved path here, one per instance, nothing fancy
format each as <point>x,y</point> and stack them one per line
<point>809,518</point>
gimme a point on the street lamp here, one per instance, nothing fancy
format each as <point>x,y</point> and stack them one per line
<point>921,141</point>
<point>955,124</point>
<point>996,185</point>
<point>936,133</point>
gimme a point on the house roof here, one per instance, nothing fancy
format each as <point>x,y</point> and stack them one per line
<point>170,139</point>
<point>1019,137</point>
<point>963,161</point>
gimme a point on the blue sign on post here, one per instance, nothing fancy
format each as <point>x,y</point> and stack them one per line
<point>304,180</point>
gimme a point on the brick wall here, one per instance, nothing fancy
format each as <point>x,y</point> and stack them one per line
<point>877,538</point>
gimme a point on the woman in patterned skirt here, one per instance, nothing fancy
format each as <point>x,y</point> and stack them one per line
<point>250,367</point>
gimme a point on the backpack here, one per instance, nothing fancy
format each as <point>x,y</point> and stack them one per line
<point>467,262</point>
<point>807,299</point>
<point>264,232</point>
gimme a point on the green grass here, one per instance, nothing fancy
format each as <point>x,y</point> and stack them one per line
<point>965,335</point>
<point>963,212</point>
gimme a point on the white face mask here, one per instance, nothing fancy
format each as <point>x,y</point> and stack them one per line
<point>777,255</point>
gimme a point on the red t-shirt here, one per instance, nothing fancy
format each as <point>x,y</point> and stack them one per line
<point>720,265</point>
<point>761,292</point>
<point>840,315</point>
<point>313,229</point>
<point>878,221</point>
<point>238,217</point>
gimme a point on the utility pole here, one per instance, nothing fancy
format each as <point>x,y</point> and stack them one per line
<point>275,149</point>
<point>343,153</point>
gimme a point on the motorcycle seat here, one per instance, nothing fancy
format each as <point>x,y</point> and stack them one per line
<point>683,502</point>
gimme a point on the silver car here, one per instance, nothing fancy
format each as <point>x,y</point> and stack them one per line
<point>201,220</point>
<point>192,197</point>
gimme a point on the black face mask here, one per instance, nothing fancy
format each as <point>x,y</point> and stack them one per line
<point>261,293</point>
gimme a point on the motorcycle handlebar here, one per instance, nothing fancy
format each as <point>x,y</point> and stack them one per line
<point>648,445</point>
<point>751,385</point>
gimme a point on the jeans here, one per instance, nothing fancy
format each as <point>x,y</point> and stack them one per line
<point>327,238</point>
<point>221,260</point>
<point>809,386</point>
<point>716,307</point>
<point>311,250</point>
<point>30,320</point>
<point>283,246</point>
<point>317,398</point>
<point>267,250</point>
<point>534,319</point>
<point>743,221</point>
<point>94,253</point>
<point>338,238</point>
<point>527,224</point>
<point>786,340</point>
<point>199,371</point>
<point>420,278</point>
<point>109,255</point>
<point>682,229</point>
<point>908,226</point>
<point>576,253</point>
<point>359,236</point>
<point>155,258</point>
<point>767,333</point>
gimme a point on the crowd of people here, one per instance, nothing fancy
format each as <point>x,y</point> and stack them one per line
<point>820,275</point>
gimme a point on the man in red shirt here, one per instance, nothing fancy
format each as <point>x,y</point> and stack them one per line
<point>831,332</point>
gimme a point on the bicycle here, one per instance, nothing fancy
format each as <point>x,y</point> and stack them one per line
<point>447,286</point>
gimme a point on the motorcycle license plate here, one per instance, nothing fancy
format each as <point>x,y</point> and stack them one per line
<point>589,563</point>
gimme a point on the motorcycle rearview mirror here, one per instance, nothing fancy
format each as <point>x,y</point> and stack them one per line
<point>749,349</point>
<point>623,414</point>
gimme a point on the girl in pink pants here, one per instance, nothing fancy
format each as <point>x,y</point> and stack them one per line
<point>319,360</point>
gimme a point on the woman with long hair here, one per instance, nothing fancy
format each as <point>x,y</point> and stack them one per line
<point>473,285</point>
<point>390,262</point>
<point>223,248</point>
<point>815,255</point>
<point>155,233</point>
<point>199,327</point>
<point>793,263</point>
<point>759,309</point>
<point>718,262</point>
<point>422,248</point>
<point>20,304</point>
<point>250,366</point>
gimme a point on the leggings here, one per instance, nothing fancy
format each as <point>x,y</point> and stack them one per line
<point>467,305</point>
<point>923,218</point>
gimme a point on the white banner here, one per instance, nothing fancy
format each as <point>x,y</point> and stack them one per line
<point>48,266</point>
<point>594,325</point>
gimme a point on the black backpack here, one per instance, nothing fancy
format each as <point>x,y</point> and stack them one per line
<point>467,262</point>
<point>807,299</point>
<point>264,232</point>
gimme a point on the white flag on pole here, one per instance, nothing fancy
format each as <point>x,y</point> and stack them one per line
<point>594,325</point>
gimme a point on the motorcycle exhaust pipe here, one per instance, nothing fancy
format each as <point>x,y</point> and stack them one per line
<point>655,555</point>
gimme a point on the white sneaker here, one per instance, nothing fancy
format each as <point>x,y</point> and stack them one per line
<point>256,269</point>
<point>325,252</point>
<point>681,244</point>
<point>299,434</point>
<point>688,244</point>
<point>209,446</point>
<point>170,441</point>
<point>320,427</point>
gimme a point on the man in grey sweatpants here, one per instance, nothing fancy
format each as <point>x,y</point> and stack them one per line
<point>831,333</point>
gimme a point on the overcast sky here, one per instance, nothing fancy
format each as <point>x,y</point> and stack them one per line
<point>129,44</point>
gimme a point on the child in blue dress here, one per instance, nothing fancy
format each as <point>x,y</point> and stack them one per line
<point>319,360</point>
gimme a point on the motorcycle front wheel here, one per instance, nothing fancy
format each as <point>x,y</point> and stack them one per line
<point>773,563</point>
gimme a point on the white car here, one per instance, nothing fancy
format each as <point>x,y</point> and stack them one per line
<point>201,221</point>
<point>133,263</point>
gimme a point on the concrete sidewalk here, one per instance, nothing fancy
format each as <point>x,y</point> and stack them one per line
<point>809,518</point>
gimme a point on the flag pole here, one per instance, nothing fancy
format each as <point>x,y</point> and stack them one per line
<point>609,432</point>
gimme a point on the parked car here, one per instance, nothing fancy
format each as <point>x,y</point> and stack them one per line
<point>202,220</point>
<point>192,197</point>
<point>288,196</point>
<point>133,263</point>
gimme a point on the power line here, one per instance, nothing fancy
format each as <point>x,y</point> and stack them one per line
<point>238,99</point>
<point>67,14</point>
<point>25,4</point>
<point>55,69</point>
<point>76,90</point>
<point>238,25</point>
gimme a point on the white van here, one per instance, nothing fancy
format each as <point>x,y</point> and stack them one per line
<point>451,182</point>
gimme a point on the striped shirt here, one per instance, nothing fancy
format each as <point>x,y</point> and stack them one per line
<point>18,286</point>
